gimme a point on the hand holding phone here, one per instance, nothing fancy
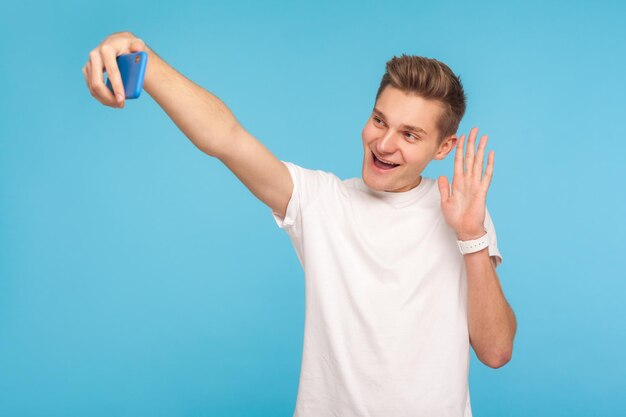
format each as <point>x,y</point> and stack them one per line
<point>132,69</point>
<point>123,57</point>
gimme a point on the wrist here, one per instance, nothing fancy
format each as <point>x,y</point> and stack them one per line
<point>467,246</point>
<point>153,70</point>
<point>472,235</point>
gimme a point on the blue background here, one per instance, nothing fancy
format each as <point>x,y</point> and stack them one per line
<point>139,277</point>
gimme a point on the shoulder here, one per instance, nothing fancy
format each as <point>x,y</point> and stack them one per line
<point>310,183</point>
<point>302,174</point>
<point>309,171</point>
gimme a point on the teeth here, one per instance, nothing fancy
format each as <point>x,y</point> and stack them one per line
<point>387,162</point>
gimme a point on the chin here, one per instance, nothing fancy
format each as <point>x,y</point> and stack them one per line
<point>371,184</point>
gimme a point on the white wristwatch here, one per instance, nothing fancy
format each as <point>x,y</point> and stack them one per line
<point>471,246</point>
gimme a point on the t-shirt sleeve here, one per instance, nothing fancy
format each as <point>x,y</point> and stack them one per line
<point>308,184</point>
<point>493,239</point>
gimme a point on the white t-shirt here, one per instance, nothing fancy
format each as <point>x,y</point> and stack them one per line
<point>386,300</point>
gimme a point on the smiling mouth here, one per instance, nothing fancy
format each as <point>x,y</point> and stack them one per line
<point>382,165</point>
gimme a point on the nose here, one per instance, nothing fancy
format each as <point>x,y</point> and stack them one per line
<point>386,144</point>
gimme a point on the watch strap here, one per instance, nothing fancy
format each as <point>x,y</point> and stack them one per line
<point>471,246</point>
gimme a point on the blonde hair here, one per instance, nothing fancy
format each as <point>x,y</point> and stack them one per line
<point>430,79</point>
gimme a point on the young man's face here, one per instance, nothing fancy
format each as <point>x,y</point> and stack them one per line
<point>401,130</point>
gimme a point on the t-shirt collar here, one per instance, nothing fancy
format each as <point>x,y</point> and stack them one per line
<point>397,197</point>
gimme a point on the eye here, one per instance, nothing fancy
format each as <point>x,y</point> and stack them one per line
<point>378,121</point>
<point>411,135</point>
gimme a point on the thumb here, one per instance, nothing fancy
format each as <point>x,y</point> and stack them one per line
<point>444,188</point>
<point>137,45</point>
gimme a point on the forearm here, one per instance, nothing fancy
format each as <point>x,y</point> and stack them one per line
<point>200,115</point>
<point>491,320</point>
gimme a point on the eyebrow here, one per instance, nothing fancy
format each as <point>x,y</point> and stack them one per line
<point>405,127</point>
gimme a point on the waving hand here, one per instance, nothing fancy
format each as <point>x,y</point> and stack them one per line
<point>463,204</point>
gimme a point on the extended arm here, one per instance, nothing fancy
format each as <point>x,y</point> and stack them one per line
<point>200,115</point>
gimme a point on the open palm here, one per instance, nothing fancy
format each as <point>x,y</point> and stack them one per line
<point>463,204</point>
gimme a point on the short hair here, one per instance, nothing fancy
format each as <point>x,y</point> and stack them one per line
<point>430,79</point>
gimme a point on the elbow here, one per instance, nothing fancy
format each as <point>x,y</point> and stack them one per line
<point>499,359</point>
<point>226,147</point>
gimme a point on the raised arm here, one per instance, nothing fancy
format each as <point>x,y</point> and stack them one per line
<point>200,115</point>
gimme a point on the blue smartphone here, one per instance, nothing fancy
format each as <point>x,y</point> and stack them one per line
<point>132,69</point>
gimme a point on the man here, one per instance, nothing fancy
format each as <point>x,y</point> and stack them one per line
<point>399,273</point>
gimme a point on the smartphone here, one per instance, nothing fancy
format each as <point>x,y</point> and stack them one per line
<point>132,69</point>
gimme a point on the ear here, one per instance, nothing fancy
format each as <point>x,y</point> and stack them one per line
<point>446,146</point>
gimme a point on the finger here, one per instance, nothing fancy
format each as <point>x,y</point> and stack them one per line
<point>469,154</point>
<point>86,76</point>
<point>100,91</point>
<point>91,76</point>
<point>479,160</point>
<point>458,158</point>
<point>137,45</point>
<point>88,71</point>
<point>113,72</point>
<point>444,188</point>
<point>489,171</point>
